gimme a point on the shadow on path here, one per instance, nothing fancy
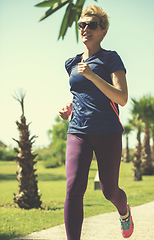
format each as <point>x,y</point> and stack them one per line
<point>4,236</point>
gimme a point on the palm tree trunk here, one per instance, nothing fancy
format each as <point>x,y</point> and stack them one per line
<point>27,196</point>
<point>137,171</point>
<point>126,152</point>
<point>152,149</point>
<point>147,167</point>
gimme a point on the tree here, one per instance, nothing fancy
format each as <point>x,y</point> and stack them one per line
<point>138,125</point>
<point>27,196</point>
<point>72,13</point>
<point>127,130</point>
<point>145,110</point>
<point>152,148</point>
<point>58,137</point>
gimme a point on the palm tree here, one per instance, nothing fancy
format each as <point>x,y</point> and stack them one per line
<point>27,196</point>
<point>145,110</point>
<point>72,13</point>
<point>138,125</point>
<point>127,130</point>
<point>152,148</point>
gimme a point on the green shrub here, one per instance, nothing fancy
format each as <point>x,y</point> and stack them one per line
<point>7,155</point>
<point>52,163</point>
<point>41,153</point>
<point>51,158</point>
<point>1,154</point>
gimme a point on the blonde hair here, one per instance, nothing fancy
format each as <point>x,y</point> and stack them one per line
<point>94,10</point>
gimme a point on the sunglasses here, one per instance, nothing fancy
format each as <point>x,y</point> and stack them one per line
<point>91,25</point>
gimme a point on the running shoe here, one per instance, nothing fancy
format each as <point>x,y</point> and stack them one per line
<point>127,225</point>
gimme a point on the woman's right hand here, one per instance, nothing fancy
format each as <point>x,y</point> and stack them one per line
<point>64,113</point>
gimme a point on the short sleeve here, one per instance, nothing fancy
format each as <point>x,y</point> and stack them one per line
<point>68,65</point>
<point>114,63</point>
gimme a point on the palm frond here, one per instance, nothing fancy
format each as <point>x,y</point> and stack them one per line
<point>54,8</point>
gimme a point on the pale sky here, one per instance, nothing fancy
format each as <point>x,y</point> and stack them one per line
<point>31,58</point>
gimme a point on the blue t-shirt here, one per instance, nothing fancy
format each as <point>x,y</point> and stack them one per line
<point>93,112</point>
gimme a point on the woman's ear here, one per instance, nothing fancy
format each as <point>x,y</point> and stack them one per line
<point>104,32</point>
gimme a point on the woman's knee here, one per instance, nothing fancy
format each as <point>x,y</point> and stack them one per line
<point>75,190</point>
<point>110,193</point>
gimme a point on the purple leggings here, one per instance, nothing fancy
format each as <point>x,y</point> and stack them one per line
<point>79,153</point>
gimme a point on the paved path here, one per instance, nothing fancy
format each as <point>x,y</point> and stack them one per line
<point>106,227</point>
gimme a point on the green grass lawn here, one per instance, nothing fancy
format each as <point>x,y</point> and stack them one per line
<point>52,183</point>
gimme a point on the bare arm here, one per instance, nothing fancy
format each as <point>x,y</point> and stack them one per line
<point>117,92</point>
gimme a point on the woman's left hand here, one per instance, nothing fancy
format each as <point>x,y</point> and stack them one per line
<point>85,70</point>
